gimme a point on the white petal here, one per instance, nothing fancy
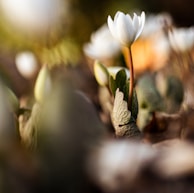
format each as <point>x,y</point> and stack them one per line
<point>89,50</point>
<point>142,21</point>
<point>141,24</point>
<point>136,24</point>
<point>117,15</point>
<point>130,24</point>
<point>103,44</point>
<point>181,39</point>
<point>129,18</point>
<point>125,30</point>
<point>112,27</point>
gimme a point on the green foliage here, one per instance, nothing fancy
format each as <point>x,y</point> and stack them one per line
<point>148,95</point>
<point>172,93</point>
<point>135,105</point>
<point>123,121</point>
<point>175,89</point>
<point>120,82</point>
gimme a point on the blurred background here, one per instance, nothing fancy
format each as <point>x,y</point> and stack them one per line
<point>52,34</point>
<point>62,28</point>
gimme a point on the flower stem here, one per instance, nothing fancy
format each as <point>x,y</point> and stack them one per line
<point>129,62</point>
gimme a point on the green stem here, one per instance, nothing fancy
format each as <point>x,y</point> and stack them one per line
<point>129,62</point>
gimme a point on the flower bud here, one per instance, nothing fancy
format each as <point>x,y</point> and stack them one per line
<point>43,84</point>
<point>101,73</point>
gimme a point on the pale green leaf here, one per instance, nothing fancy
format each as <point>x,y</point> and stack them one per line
<point>122,120</point>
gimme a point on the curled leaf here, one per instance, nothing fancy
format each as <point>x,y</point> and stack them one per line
<point>123,122</point>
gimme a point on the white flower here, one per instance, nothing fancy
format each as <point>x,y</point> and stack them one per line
<point>26,64</point>
<point>116,164</point>
<point>182,39</point>
<point>102,45</point>
<point>156,23</point>
<point>33,16</point>
<point>126,29</point>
